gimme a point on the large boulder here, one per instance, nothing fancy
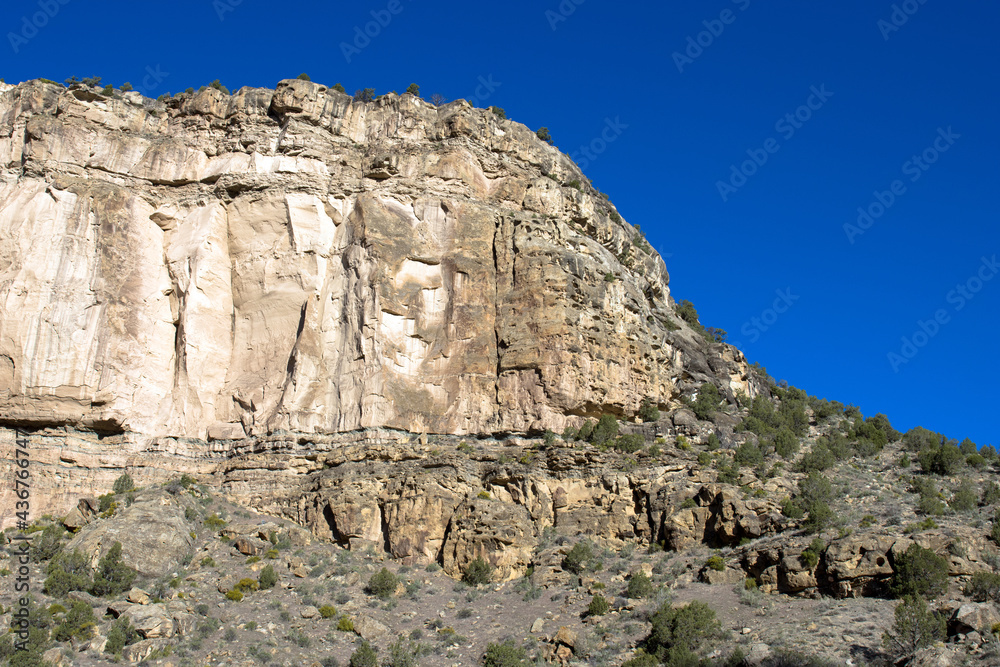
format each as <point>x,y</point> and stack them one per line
<point>153,532</point>
<point>972,617</point>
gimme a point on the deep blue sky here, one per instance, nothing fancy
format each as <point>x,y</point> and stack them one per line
<point>782,229</point>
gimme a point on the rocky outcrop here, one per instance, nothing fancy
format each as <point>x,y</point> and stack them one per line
<point>857,565</point>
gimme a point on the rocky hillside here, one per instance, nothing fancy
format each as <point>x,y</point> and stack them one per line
<point>327,335</point>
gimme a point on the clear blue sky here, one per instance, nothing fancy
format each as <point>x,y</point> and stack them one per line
<point>897,88</point>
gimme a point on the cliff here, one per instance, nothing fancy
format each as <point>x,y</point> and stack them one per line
<point>217,267</point>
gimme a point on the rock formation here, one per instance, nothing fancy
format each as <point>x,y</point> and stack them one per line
<point>180,277</point>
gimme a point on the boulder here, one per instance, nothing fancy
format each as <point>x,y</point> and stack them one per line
<point>153,532</point>
<point>370,629</point>
<point>150,621</point>
<point>973,617</point>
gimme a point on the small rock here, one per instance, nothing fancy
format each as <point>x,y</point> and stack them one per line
<point>138,596</point>
<point>746,631</point>
<point>54,656</point>
<point>309,612</point>
<point>565,636</point>
<point>370,629</point>
<point>537,626</point>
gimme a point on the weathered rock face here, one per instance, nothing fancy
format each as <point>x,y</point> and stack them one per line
<point>176,278</point>
<point>219,267</point>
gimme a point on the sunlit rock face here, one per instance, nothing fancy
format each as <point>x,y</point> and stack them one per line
<point>219,267</point>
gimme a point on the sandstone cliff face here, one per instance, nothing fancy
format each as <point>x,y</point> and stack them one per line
<point>219,267</point>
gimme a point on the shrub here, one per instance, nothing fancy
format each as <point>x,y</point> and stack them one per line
<point>810,557</point>
<point>919,571</point>
<point>606,429</point>
<point>965,498</point>
<point>268,578</point>
<point>983,587</point>
<point>598,606</point>
<point>497,111</point>
<point>708,399</point>
<point>48,544</point>
<point>975,461</point>
<point>79,623</point>
<point>123,484</point>
<point>586,430</point>
<point>383,584</point>
<point>578,557</point>
<point>944,459</point>
<point>120,635</point>
<point>748,454</point>
<point>112,576</point>
<point>715,563</point>
<point>991,494</point>
<point>68,572</point>
<point>786,445</point>
<point>642,659</point>
<point>677,634</point>
<point>303,77</point>
<point>364,95</point>
<point>247,585</point>
<point>218,86</point>
<point>478,572</point>
<point>630,443</point>
<point>401,654</point>
<point>214,522</point>
<point>819,517</point>
<point>915,627</point>
<point>507,654</point>
<point>648,412</point>
<point>818,459</point>
<point>712,442</point>
<point>327,611</point>
<point>543,134</point>
<point>639,586</point>
<point>413,89</point>
<point>365,656</point>
<point>234,595</point>
<point>345,624</point>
